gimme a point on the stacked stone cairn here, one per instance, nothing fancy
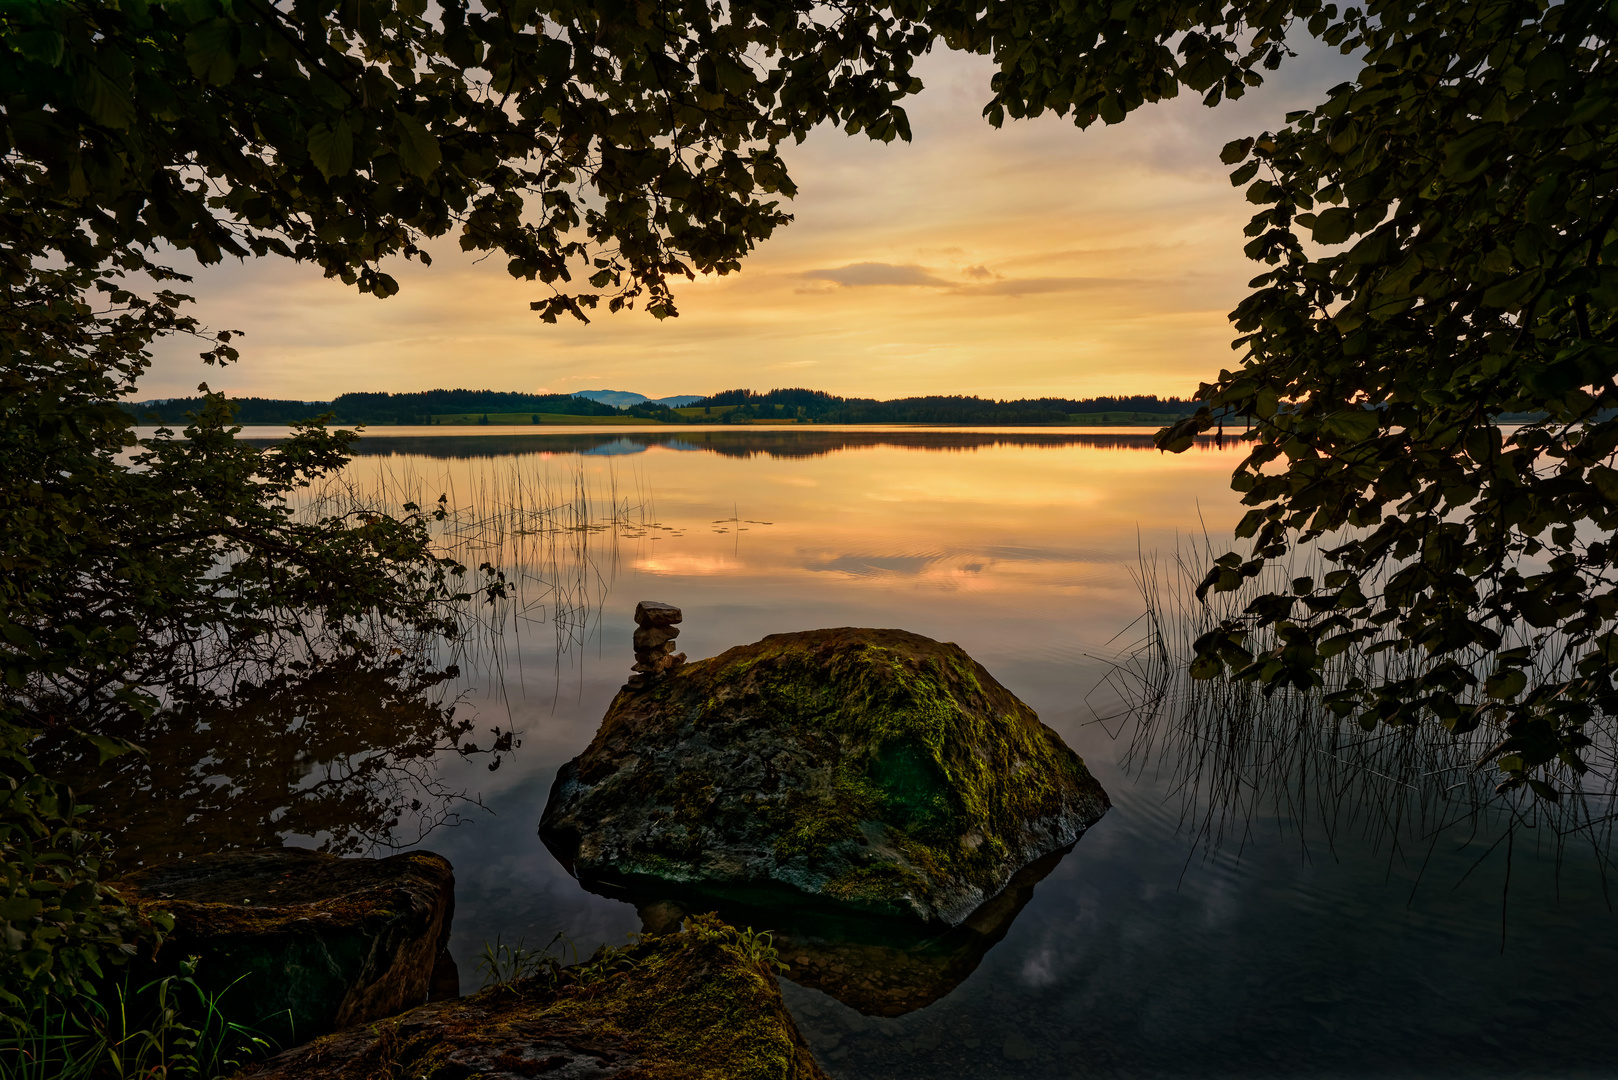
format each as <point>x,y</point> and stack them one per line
<point>655,631</point>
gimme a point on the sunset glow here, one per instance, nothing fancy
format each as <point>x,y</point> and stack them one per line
<point>1033,260</point>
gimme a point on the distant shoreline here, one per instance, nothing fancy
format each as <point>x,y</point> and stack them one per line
<point>792,407</point>
<point>632,421</point>
<point>743,440</point>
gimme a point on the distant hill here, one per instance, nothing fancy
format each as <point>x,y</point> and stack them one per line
<point>623,399</point>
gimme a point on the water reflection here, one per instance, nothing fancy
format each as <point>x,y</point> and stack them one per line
<point>1145,952</point>
<point>879,967</point>
<point>339,753</point>
<point>746,443</point>
<point>1233,754</point>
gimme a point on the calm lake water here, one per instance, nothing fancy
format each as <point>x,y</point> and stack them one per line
<point>1294,943</point>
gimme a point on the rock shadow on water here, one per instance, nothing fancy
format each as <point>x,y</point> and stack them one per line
<point>874,965</point>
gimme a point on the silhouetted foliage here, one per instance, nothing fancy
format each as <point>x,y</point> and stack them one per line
<point>1461,206</point>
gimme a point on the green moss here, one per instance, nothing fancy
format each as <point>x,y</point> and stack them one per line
<point>808,824</point>
<point>921,735</point>
<point>881,881</point>
<point>688,799</point>
<point>915,794</point>
<point>701,1004</point>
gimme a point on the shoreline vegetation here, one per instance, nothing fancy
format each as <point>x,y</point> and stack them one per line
<point>747,407</point>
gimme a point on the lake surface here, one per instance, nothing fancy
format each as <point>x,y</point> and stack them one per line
<point>1301,934</point>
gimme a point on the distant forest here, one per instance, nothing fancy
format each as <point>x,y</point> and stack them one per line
<point>378,408</point>
<point>823,408</point>
<point>730,406</point>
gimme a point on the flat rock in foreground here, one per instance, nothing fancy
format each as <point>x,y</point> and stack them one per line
<point>873,770</point>
<point>694,1005</point>
<point>300,942</point>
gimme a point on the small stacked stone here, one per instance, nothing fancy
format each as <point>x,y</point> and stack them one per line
<point>654,642</point>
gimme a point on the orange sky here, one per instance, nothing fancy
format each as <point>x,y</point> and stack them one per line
<point>1033,260</point>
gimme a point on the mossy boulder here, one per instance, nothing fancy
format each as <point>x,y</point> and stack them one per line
<point>700,1004</point>
<point>872,770</point>
<point>300,943</point>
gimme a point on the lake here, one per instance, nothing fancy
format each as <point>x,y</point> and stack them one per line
<point>1291,928</point>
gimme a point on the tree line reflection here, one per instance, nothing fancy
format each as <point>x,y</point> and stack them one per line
<point>754,442</point>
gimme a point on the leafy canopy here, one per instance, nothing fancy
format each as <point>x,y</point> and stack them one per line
<point>634,142</point>
<point>1439,245</point>
<point>637,141</point>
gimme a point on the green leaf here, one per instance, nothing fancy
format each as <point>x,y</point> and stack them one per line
<point>1605,480</point>
<point>43,45</point>
<point>210,49</point>
<point>1468,156</point>
<point>419,151</point>
<point>19,909</point>
<point>1511,293</point>
<point>18,635</point>
<point>1506,684</point>
<point>1179,436</point>
<point>1332,646</point>
<point>332,149</point>
<point>1235,151</point>
<point>1334,226</point>
<point>107,103</point>
<point>107,748</point>
<point>1354,424</point>
<point>1244,174</point>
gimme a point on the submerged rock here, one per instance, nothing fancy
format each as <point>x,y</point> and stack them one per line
<point>699,1004</point>
<point>871,770</point>
<point>300,942</point>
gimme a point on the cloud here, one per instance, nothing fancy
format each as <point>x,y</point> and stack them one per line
<point>981,280</point>
<point>871,565</point>
<point>1034,286</point>
<point>876,273</point>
